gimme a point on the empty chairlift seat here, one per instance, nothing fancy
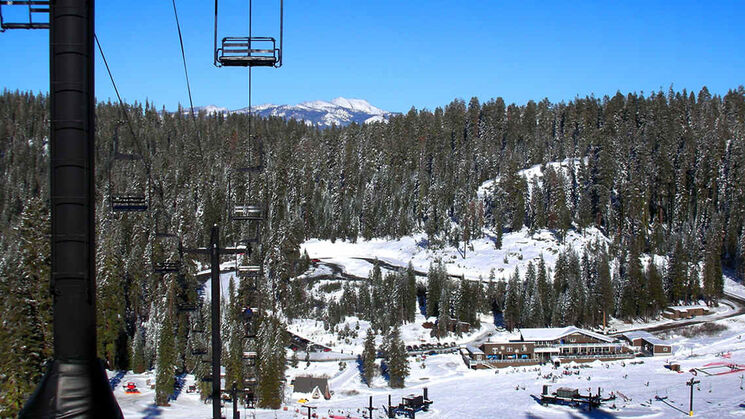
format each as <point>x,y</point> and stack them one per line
<point>128,182</point>
<point>169,258</point>
<point>36,13</point>
<point>244,51</point>
<point>247,212</point>
<point>249,271</point>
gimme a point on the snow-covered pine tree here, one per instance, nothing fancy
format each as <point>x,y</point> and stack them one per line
<point>368,357</point>
<point>434,288</point>
<point>544,287</point>
<point>512,302</point>
<point>446,306</point>
<point>398,365</point>
<point>655,291</point>
<point>25,315</point>
<point>164,375</point>
<point>410,294</point>
<point>271,362</point>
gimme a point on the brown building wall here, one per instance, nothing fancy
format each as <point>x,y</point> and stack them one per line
<point>580,338</point>
<point>507,348</point>
<point>663,349</point>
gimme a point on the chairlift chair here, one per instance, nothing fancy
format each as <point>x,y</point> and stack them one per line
<point>247,213</point>
<point>249,51</point>
<point>128,180</point>
<point>188,307</point>
<point>166,265</point>
<point>255,159</point>
<point>35,12</point>
<point>245,51</point>
<point>198,351</point>
<point>246,270</point>
<point>126,187</point>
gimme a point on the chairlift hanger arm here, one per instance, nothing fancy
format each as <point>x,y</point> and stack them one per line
<point>208,251</point>
<point>34,7</point>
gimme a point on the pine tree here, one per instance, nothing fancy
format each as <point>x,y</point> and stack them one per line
<point>398,365</point>
<point>444,317</point>
<point>435,278</point>
<point>271,362</point>
<point>656,293</point>
<point>604,292</point>
<point>138,358</point>
<point>512,302</point>
<point>164,376</point>
<point>410,294</point>
<point>368,358</point>
<point>545,290</point>
<point>234,371</point>
<point>633,299</point>
<point>26,340</point>
<point>677,275</point>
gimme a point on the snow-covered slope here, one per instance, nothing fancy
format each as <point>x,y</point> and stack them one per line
<point>565,167</point>
<point>518,249</point>
<point>340,111</point>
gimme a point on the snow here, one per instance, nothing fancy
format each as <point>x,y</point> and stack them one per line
<point>686,308</point>
<point>518,249</point>
<point>508,392</point>
<point>411,334</point>
<point>225,278</point>
<point>553,333</point>
<point>360,105</point>
<point>536,172</point>
<point>376,118</point>
<point>638,334</point>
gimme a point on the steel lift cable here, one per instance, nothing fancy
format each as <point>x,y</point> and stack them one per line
<point>121,102</point>
<point>183,58</point>
<point>123,108</point>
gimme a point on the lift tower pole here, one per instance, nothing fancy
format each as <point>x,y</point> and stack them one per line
<point>75,384</point>
<point>216,341</point>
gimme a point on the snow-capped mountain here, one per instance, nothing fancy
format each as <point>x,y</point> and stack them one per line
<point>340,111</point>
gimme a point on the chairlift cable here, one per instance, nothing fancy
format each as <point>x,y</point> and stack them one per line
<point>183,58</point>
<point>186,73</point>
<point>116,90</point>
<point>135,138</point>
<point>250,33</point>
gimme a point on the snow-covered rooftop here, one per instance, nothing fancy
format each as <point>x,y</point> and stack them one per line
<point>553,333</point>
<point>637,334</point>
<point>686,308</point>
<point>642,334</point>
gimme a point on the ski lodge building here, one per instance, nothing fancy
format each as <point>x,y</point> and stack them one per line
<point>685,312</point>
<point>316,387</point>
<point>538,345</point>
<point>647,344</point>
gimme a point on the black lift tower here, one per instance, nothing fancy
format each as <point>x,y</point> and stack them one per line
<point>75,384</point>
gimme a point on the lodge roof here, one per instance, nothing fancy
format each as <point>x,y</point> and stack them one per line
<point>553,333</point>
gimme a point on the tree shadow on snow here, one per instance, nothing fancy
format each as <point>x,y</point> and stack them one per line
<point>152,411</point>
<point>115,380</point>
<point>178,386</point>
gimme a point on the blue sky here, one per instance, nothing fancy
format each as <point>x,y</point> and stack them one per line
<point>399,54</point>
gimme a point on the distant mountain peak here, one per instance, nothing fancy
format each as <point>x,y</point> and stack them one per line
<point>339,111</point>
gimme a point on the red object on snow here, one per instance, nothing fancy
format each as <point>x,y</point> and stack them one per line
<point>131,387</point>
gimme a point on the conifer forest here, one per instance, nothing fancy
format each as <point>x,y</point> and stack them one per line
<point>660,175</point>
